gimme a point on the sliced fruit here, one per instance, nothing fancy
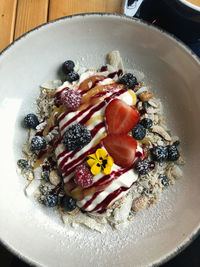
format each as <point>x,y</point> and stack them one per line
<point>89,82</point>
<point>134,97</point>
<point>120,117</point>
<point>41,160</point>
<point>122,148</point>
<point>98,90</point>
<point>50,122</point>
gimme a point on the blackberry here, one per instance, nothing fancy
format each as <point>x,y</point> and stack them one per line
<point>147,123</point>
<point>23,164</point>
<point>72,76</point>
<point>68,203</point>
<point>164,179</point>
<point>129,80</point>
<point>51,200</point>
<point>76,137</point>
<point>31,121</point>
<point>159,153</point>
<point>143,167</point>
<point>173,153</point>
<point>68,66</point>
<point>139,132</point>
<point>38,143</point>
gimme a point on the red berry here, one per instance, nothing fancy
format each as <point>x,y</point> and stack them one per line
<point>83,176</point>
<point>71,98</point>
<point>120,117</point>
<point>122,148</point>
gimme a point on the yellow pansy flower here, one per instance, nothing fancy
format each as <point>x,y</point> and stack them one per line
<point>100,161</point>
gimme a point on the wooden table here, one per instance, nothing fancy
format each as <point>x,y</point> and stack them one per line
<point>20,16</point>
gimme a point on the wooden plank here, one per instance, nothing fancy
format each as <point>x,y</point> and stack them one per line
<point>30,13</point>
<point>60,8</point>
<point>7,21</point>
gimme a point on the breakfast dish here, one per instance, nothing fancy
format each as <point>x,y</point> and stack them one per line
<point>98,148</point>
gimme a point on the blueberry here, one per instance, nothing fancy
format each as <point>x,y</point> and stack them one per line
<point>76,137</point>
<point>143,167</point>
<point>145,105</point>
<point>139,132</point>
<point>147,123</point>
<point>173,153</point>
<point>159,153</point>
<point>68,203</point>
<point>151,165</point>
<point>176,143</point>
<point>51,200</point>
<point>44,189</point>
<point>38,143</point>
<point>68,66</point>
<point>31,121</point>
<point>129,80</point>
<point>72,76</point>
<point>164,179</point>
<point>45,175</point>
<point>23,164</point>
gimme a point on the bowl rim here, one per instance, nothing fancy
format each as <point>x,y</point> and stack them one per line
<point>190,5</point>
<point>188,240</point>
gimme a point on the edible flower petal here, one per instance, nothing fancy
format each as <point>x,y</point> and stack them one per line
<point>100,162</point>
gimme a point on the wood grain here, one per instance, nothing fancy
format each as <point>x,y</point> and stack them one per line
<point>60,8</point>
<point>30,13</point>
<point>20,16</point>
<point>7,21</point>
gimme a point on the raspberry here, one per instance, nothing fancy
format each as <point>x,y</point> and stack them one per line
<point>83,177</point>
<point>71,98</point>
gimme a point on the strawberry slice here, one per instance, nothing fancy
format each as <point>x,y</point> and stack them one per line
<point>120,117</point>
<point>122,148</point>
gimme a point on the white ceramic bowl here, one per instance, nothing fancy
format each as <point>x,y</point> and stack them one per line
<point>36,233</point>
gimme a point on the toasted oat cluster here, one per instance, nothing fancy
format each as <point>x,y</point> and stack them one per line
<point>98,148</point>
